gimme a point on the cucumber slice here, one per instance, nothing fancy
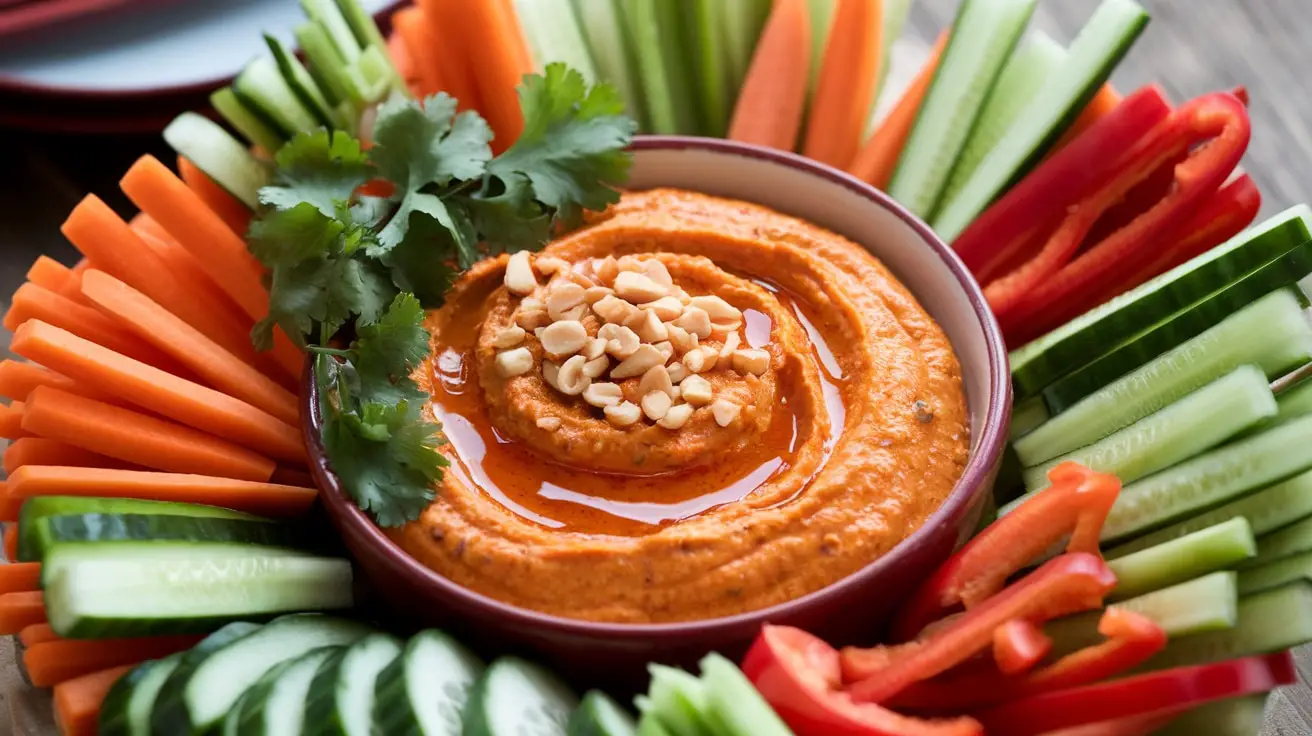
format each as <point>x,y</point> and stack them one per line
<point>40,507</point>
<point>612,53</point>
<point>599,715</point>
<point>252,127</point>
<point>276,704</point>
<point>325,14</point>
<point>95,529</point>
<point>553,34</point>
<point>303,85</point>
<point>1209,603</point>
<point>1094,53</point>
<point>1214,548</point>
<point>1275,574</point>
<point>261,87</point>
<point>374,75</point>
<point>709,76</point>
<point>734,704</point>
<point>232,720</point>
<point>341,699</point>
<point>514,698</point>
<point>1235,717</point>
<point>202,690</point>
<point>369,37</point>
<point>984,34</point>
<point>1031,65</point>
<point>219,155</point>
<point>130,589</point>
<point>1272,333</point>
<point>1198,422</point>
<point>174,685</point>
<point>127,706</point>
<point>1026,416</point>
<point>1266,511</point>
<point>678,700</point>
<point>1287,542</point>
<point>424,691</point>
<point>743,22</point>
<point>1269,621</point>
<point>1295,401</point>
<point>822,22</point>
<point>1159,338</point>
<point>1211,479</point>
<point>1041,362</point>
<point>652,26</point>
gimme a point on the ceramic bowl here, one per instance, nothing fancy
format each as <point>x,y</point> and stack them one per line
<point>851,610</point>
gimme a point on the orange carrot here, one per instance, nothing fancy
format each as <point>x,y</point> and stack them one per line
<point>18,378</point>
<point>33,302</point>
<point>421,46</point>
<point>402,60</point>
<point>223,255</point>
<point>20,610</point>
<point>48,273</point>
<point>71,288</point>
<point>161,393</point>
<point>52,662</point>
<point>227,207</point>
<point>453,53</point>
<point>11,420</point>
<point>1102,103</point>
<point>877,159</point>
<point>10,507</point>
<point>138,438</point>
<point>846,87</point>
<point>264,499</point>
<point>78,701</point>
<point>39,451</point>
<point>489,28</point>
<point>208,359</point>
<point>16,577</point>
<point>36,634</point>
<point>292,477</point>
<point>773,95</point>
<point>11,553</point>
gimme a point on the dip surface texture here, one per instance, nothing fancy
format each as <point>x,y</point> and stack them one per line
<point>821,421</point>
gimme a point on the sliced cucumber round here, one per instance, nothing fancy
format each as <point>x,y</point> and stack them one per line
<point>734,703</point>
<point>517,698</point>
<point>424,691</point>
<point>341,698</point>
<point>276,705</point>
<point>599,715</point>
<point>170,712</point>
<point>127,706</point>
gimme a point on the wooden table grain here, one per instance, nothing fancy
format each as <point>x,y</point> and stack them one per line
<point>1191,47</point>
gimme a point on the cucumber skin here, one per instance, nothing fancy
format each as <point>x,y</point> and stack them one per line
<point>478,721</point>
<point>1275,574</point>
<point>393,711</point>
<point>1215,548</point>
<point>257,130</point>
<point>107,528</point>
<point>1232,717</point>
<point>1269,621</point>
<point>596,713</point>
<point>232,722</point>
<point>252,714</point>
<point>114,718</point>
<point>170,714</point>
<point>735,706</point>
<point>1176,609</point>
<point>1286,542</point>
<point>322,715</point>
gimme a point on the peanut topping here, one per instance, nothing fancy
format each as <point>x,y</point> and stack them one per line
<point>606,270</point>
<point>613,309</point>
<point>563,338</point>
<point>519,274</point>
<point>637,288</point>
<point>656,404</point>
<point>571,379</point>
<point>755,362</point>
<point>551,424</point>
<point>602,395</point>
<point>548,265</point>
<point>594,348</point>
<point>696,321</point>
<point>676,417</point>
<point>625,414</point>
<point>725,357</point>
<point>596,367</point>
<point>666,308</point>
<point>656,271</point>
<point>725,412</point>
<point>508,337</point>
<point>649,327</point>
<point>696,390</point>
<point>656,379</point>
<point>620,341</point>
<point>563,296</point>
<point>515,362</point>
<point>642,360</point>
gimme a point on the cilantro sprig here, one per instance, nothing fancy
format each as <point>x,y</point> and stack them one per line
<point>357,270</point>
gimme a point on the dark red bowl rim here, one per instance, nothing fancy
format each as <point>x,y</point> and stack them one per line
<point>982,460</point>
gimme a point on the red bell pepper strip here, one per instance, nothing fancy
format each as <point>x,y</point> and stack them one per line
<point>1098,108</point>
<point>1039,201</point>
<point>1067,584</point>
<point>1217,119</point>
<point>1137,726</point>
<point>1156,693</point>
<point>798,675</point>
<point>1018,646</point>
<point>1077,503</point>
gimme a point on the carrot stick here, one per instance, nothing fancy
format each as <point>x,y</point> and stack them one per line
<point>223,255</point>
<point>34,302</point>
<point>489,28</point>
<point>264,499</point>
<point>421,45</point>
<point>10,507</point>
<point>39,451</point>
<point>78,701</point>
<point>877,159</point>
<point>53,662</point>
<point>71,288</point>
<point>11,420</point>
<point>208,359</point>
<point>20,610</point>
<point>453,54</point>
<point>138,438</point>
<point>229,209</point>
<point>1102,103</point>
<point>402,60</point>
<point>292,477</point>
<point>773,95</point>
<point>16,577</point>
<point>846,88</point>
<point>36,634</point>
<point>161,393</point>
<point>19,377</point>
<point>48,273</point>
<point>11,553</point>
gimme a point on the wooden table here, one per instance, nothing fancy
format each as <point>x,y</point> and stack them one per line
<point>1191,47</point>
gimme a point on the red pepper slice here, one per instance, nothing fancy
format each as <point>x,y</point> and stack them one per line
<point>1139,726</point>
<point>1156,693</point>
<point>1039,201</point>
<point>1067,584</point>
<point>1077,503</point>
<point>1018,646</point>
<point>798,674</point>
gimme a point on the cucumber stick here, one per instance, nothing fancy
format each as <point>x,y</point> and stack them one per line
<point>1234,717</point>
<point>219,155</point>
<point>327,67</point>
<point>516,697</point>
<point>276,704</point>
<point>370,39</point>
<point>101,529</point>
<point>599,715</point>
<point>1036,59</point>
<point>1272,333</point>
<point>326,15</point>
<point>553,34</point>
<point>895,17</point>
<point>1094,53</point>
<point>1188,427</point>
<point>1208,603</point>
<point>1286,542</point>
<point>984,34</point>
<point>603,27</point>
<point>303,85</point>
<point>126,708</point>
<point>705,39</point>
<point>1275,574</point>
<point>649,726</point>
<point>653,26</point>
<point>735,706</point>
<point>1295,401</point>
<point>342,694</point>
<point>1214,548</point>
<point>1269,621</point>
<point>424,691</point>
<point>677,700</point>
<point>252,126</point>
<point>1026,416</point>
<point>742,25</point>
<point>1210,479</point>
<point>822,22</point>
<point>262,88</point>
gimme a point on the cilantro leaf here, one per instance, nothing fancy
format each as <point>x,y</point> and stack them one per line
<point>387,352</point>
<point>320,168</point>
<point>424,263</point>
<point>509,221</point>
<point>572,149</point>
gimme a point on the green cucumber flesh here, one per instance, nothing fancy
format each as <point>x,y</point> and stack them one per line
<point>424,691</point>
<point>326,15</point>
<point>652,43</point>
<point>368,36</point>
<point>735,706</point>
<point>303,85</point>
<point>169,709</point>
<point>326,66</point>
<point>223,159</point>
<point>676,54</point>
<point>1214,548</point>
<point>1094,53</point>
<point>1269,621</point>
<point>50,531</point>
<point>1173,331</point>
<point>599,715</point>
<point>342,694</point>
<point>1286,542</point>
<point>1275,574</point>
<point>1033,62</point>
<point>822,22</point>
<point>984,34</point>
<point>1194,424</point>
<point>709,76</point>
<point>1295,401</point>
<point>743,22</point>
<point>678,700</point>
<point>131,589</point>
<point>1272,333</point>
<point>516,698</point>
<point>198,695</point>
<point>276,705</point>
<point>1267,510</point>
<point>252,126</point>
<point>373,74</point>
<point>649,726</point>
<point>553,34</point>
<point>126,708</point>
<point>1208,603</point>
<point>261,87</point>
<point>237,714</point>
<point>1234,717</point>
<point>603,27</point>
<point>1042,361</point>
<point>1026,416</point>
